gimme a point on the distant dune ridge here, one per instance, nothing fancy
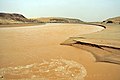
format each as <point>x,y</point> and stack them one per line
<point>113,20</point>
<point>59,20</point>
<point>9,18</point>
<point>13,18</point>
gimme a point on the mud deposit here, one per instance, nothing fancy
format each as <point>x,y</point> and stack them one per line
<point>54,69</point>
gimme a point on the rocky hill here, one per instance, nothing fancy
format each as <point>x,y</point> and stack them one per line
<point>8,18</point>
<point>58,20</point>
<point>115,20</point>
<point>13,18</point>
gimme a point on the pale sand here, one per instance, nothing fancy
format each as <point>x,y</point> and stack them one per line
<point>28,45</point>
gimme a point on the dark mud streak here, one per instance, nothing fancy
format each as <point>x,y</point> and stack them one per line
<point>88,44</point>
<point>95,45</point>
<point>96,25</point>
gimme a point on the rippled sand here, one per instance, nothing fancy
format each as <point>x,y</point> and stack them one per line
<point>22,46</point>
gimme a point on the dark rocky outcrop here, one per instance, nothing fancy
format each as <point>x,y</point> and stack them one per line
<point>13,17</point>
<point>115,20</point>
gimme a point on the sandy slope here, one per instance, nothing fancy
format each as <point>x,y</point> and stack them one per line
<point>27,45</point>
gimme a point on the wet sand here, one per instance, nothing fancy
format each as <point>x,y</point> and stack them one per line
<point>21,46</point>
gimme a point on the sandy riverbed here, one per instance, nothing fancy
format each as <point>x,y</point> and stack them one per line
<point>20,46</point>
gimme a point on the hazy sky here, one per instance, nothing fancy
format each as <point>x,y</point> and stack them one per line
<point>86,10</point>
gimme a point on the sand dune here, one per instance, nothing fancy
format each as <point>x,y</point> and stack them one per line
<point>22,46</point>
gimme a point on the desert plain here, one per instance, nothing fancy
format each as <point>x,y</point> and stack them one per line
<point>35,52</point>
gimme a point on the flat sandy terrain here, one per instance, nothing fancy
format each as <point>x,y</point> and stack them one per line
<point>35,52</point>
<point>19,25</point>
